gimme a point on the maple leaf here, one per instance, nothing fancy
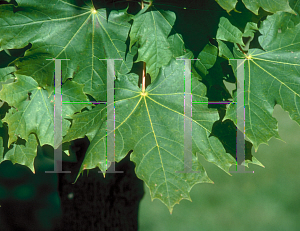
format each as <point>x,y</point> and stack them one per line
<point>254,5</point>
<point>63,30</point>
<point>271,77</point>
<point>151,29</point>
<point>152,125</point>
<point>37,114</point>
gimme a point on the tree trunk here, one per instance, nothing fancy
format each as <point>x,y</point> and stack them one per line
<point>98,203</point>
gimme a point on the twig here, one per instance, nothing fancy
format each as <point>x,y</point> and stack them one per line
<point>144,77</point>
<point>241,49</point>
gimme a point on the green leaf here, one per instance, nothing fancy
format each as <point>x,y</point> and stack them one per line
<point>228,32</point>
<point>23,154</point>
<point>6,74</point>
<point>73,97</point>
<point>63,30</point>
<point>227,5</point>
<point>253,5</point>
<point>177,47</point>
<point>216,90</point>
<point>83,124</point>
<point>231,109</point>
<point>271,77</point>
<point>224,50</point>
<point>270,6</point>
<point>150,30</point>
<point>207,58</point>
<point>152,125</point>
<point>249,32</point>
<point>250,29</point>
<point>33,116</point>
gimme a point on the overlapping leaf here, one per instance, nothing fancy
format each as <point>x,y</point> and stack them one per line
<point>152,125</point>
<point>227,5</point>
<point>271,77</point>
<point>37,114</point>
<point>254,5</point>
<point>6,74</point>
<point>228,32</point>
<point>151,29</point>
<point>270,6</point>
<point>178,48</point>
<point>22,154</point>
<point>63,30</point>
